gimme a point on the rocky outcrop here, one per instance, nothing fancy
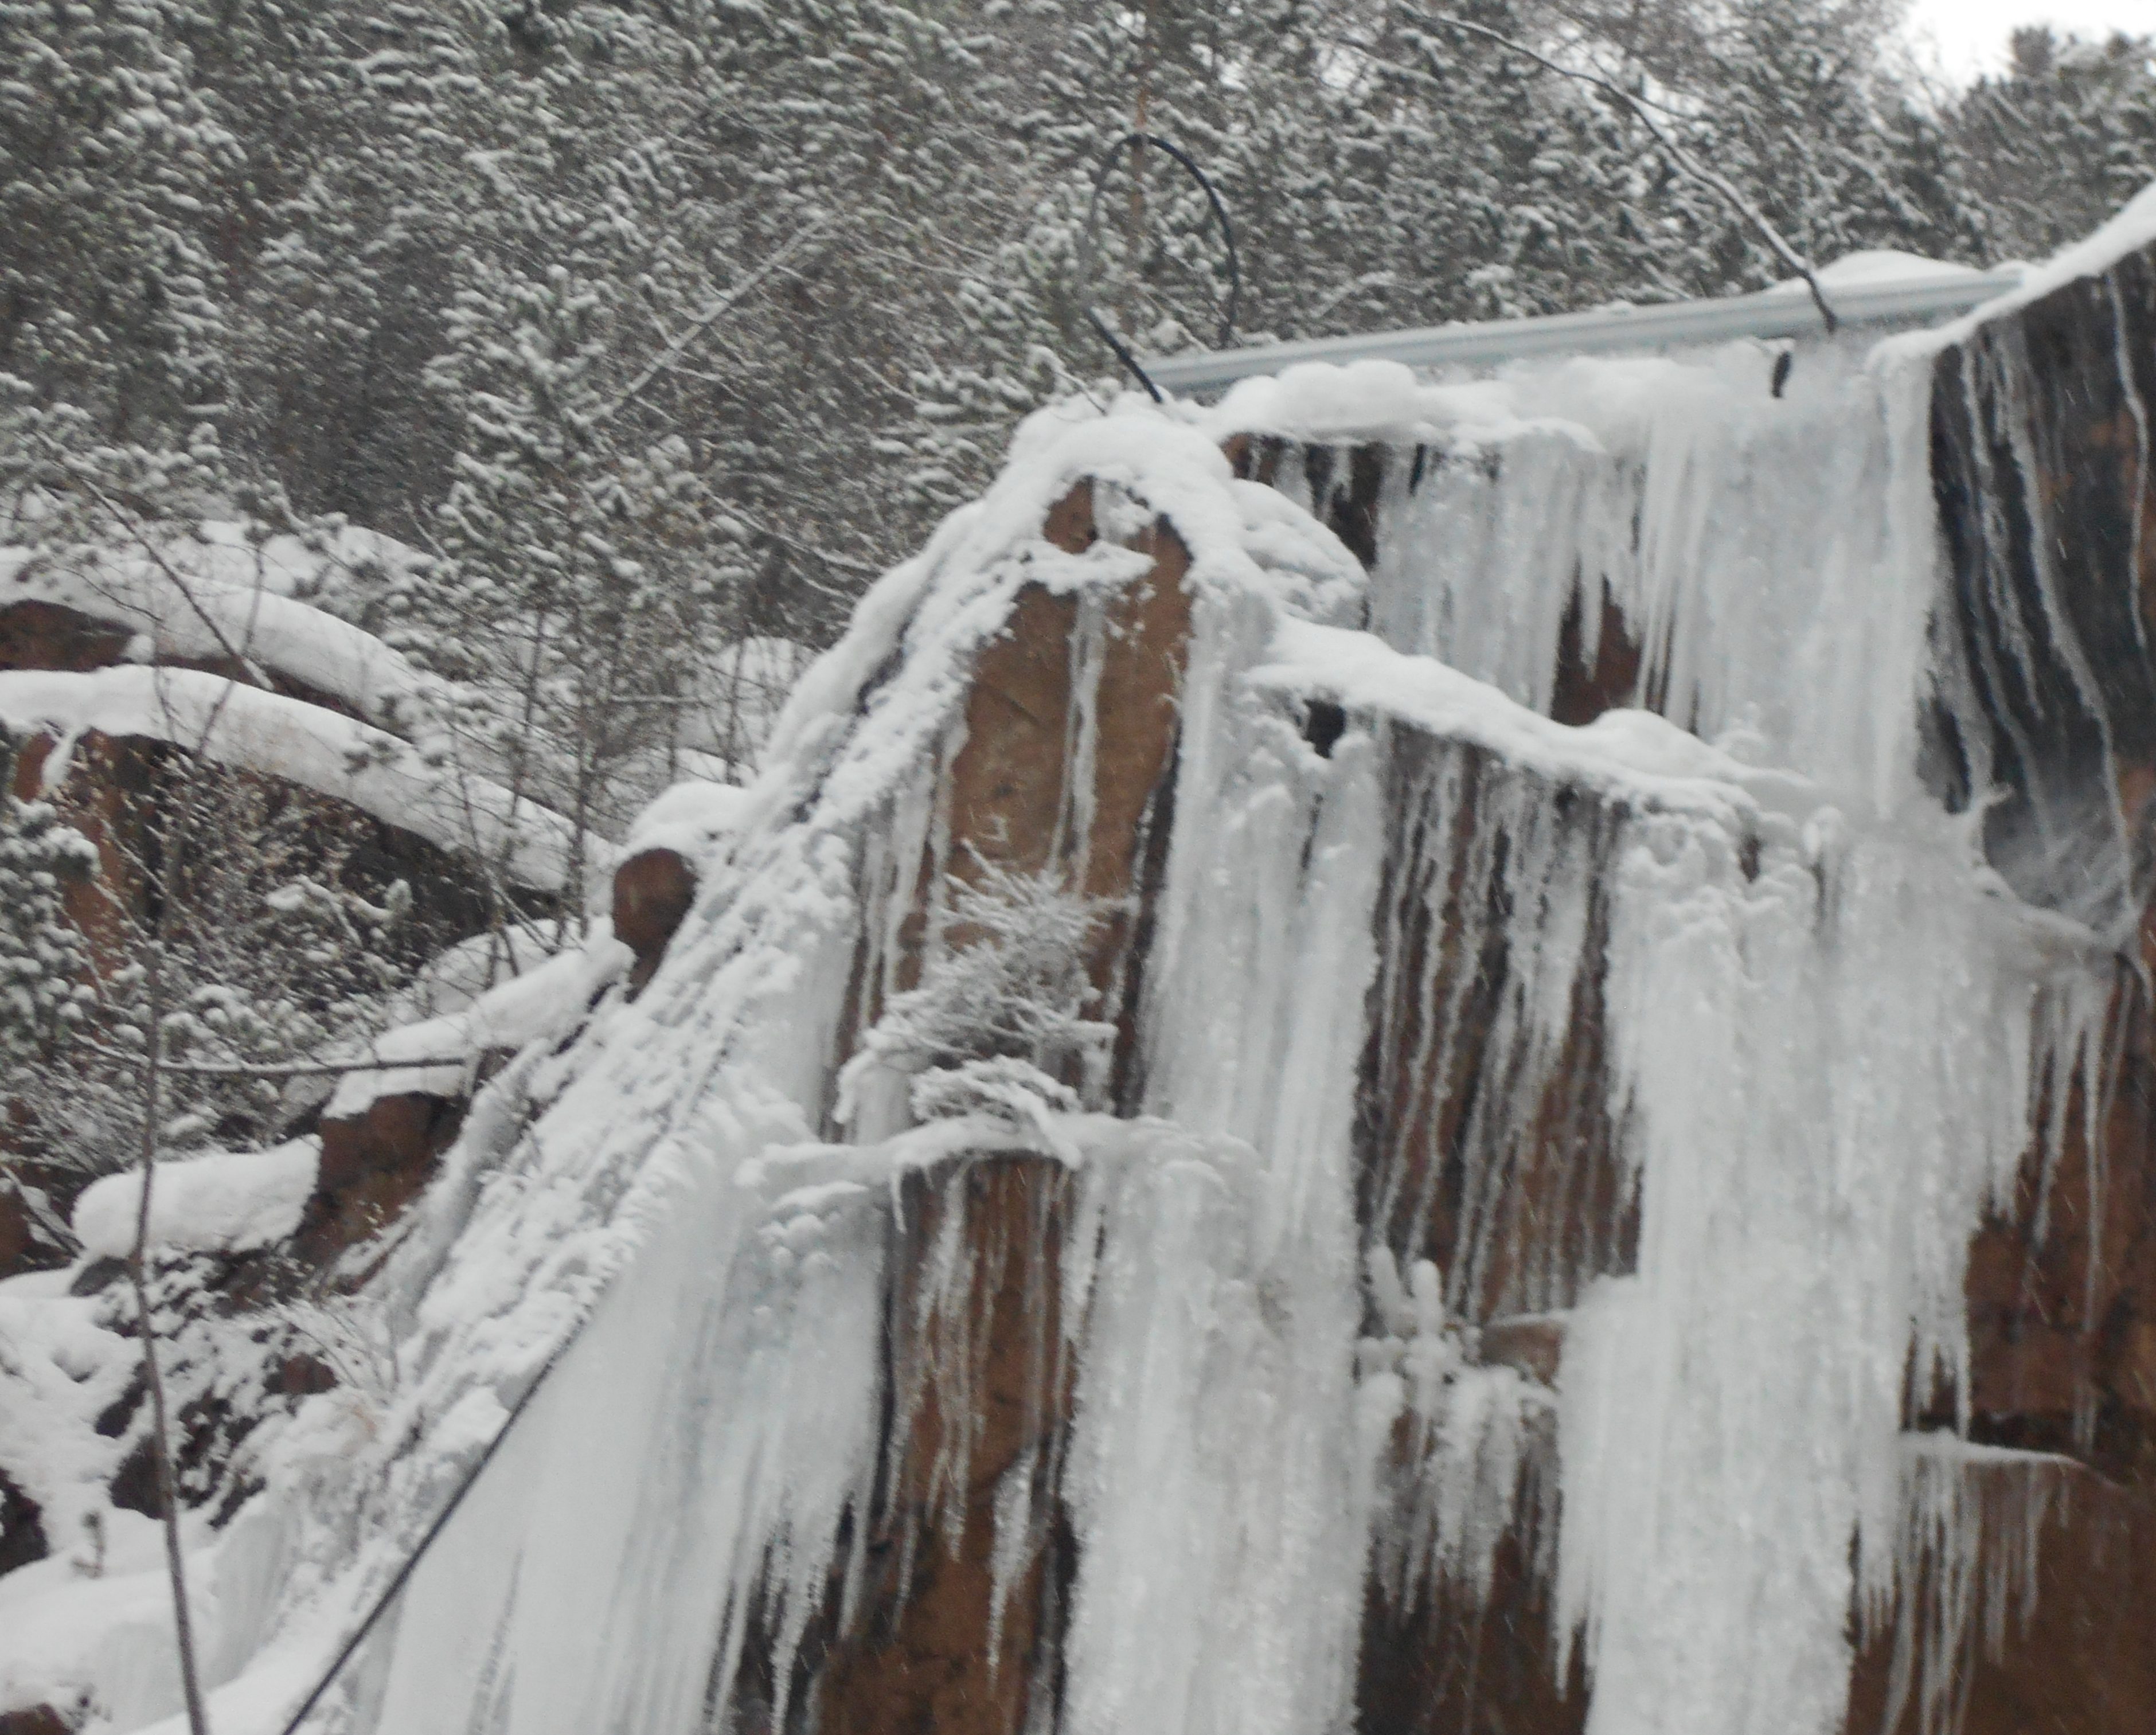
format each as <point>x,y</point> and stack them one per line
<point>652,892</point>
<point>373,1165</point>
<point>37,1720</point>
<point>1517,1223</point>
<point>21,1528</point>
<point>2040,466</point>
<point>1451,1661</point>
<point>2074,1656</point>
<point>976,1365</point>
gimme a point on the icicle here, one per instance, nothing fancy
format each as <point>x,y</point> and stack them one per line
<point>1497,894</point>
<point>1698,504</point>
<point>1827,1067</point>
<point>1973,1524</point>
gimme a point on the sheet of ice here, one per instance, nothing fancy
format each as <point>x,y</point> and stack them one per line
<point>101,1636</point>
<point>255,730</point>
<point>222,1202</point>
<point>1831,1066</point>
<point>1217,1484</point>
<point>1682,497</point>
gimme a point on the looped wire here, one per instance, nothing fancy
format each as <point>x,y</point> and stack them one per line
<point>1087,248</point>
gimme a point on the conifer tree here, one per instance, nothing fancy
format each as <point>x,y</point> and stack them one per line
<point>2054,145</point>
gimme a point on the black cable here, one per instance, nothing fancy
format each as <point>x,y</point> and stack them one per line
<point>1135,141</point>
<point>433,1532</point>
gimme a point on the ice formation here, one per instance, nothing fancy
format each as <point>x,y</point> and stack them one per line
<point>1730,951</point>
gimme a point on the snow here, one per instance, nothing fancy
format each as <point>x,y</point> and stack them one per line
<point>207,599</point>
<point>545,1000</point>
<point>692,819</point>
<point>1371,399</point>
<point>1624,754</point>
<point>220,1201</point>
<point>250,729</point>
<point>1876,265</point>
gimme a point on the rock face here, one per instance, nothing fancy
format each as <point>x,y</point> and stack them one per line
<point>1516,1226</point>
<point>374,1166</point>
<point>21,1528</point>
<point>652,892</point>
<point>981,1386</point>
<point>977,1368</point>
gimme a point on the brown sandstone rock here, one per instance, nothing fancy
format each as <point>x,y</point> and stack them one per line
<point>1533,1344</point>
<point>981,1392</point>
<point>1582,690</point>
<point>48,636</point>
<point>37,1720</point>
<point>372,1166</point>
<point>44,635</point>
<point>1517,1223</point>
<point>1008,786</point>
<point>2084,1660</point>
<point>2062,1291</point>
<point>976,1367</point>
<point>1446,1664</point>
<point>652,892</point>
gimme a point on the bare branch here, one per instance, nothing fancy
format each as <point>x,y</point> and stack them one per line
<point>704,321</point>
<point>297,1069</point>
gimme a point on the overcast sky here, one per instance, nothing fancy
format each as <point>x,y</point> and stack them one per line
<point>1971,34</point>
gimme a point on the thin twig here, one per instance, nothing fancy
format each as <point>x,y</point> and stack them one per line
<point>299,1068</point>
<point>161,1435</point>
<point>704,320</point>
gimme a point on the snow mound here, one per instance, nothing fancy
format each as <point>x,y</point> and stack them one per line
<point>226,1202</point>
<point>438,1052</point>
<point>1874,265</point>
<point>249,729</point>
<point>690,818</point>
<point>220,597</point>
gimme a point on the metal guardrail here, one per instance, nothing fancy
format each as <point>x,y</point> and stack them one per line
<point>1768,313</point>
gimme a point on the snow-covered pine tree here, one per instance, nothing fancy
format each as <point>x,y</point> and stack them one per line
<point>2056,144</point>
<point>45,994</point>
<point>44,962</point>
<point>999,1025</point>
